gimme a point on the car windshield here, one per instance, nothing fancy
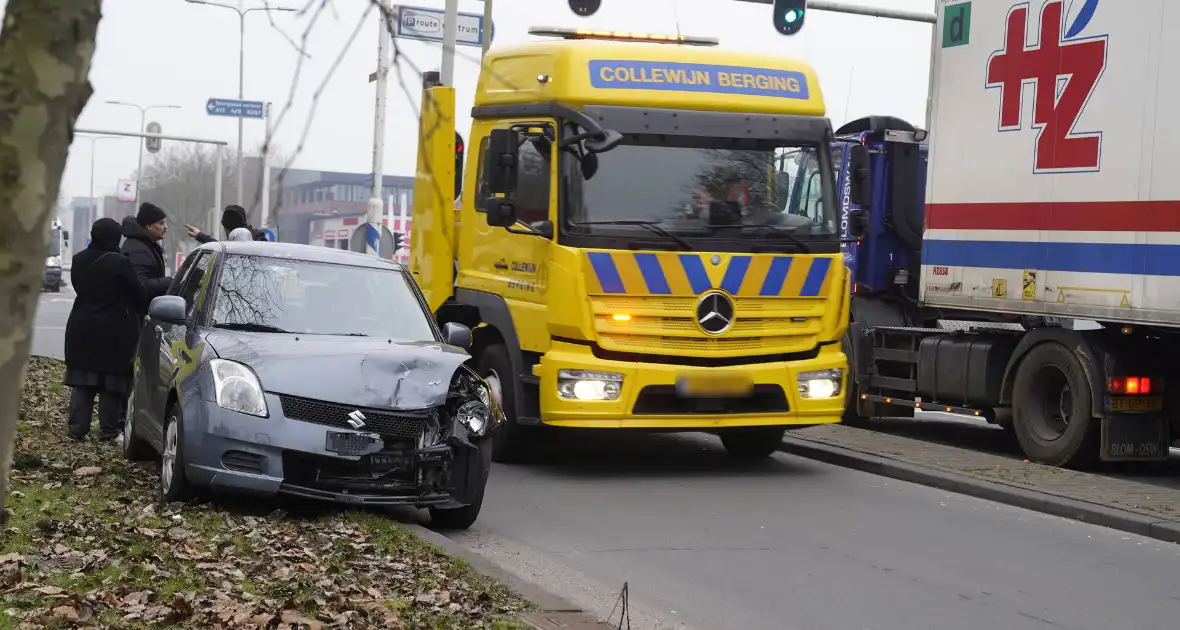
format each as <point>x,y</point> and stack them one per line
<point>703,187</point>
<point>280,295</point>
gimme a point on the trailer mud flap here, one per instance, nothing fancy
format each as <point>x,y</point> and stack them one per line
<point>1134,437</point>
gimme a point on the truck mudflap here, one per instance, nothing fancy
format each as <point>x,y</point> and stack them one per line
<point>1134,437</point>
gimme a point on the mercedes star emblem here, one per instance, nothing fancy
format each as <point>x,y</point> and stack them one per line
<point>715,313</point>
<point>356,419</point>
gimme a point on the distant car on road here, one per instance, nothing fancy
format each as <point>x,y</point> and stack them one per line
<point>287,369</point>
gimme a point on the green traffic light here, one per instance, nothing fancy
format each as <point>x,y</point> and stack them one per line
<point>792,16</point>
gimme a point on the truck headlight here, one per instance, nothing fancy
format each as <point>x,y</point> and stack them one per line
<point>474,415</point>
<point>236,388</point>
<point>589,385</point>
<point>820,383</point>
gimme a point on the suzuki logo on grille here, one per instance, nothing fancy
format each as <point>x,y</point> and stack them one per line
<point>356,419</point>
<point>715,313</point>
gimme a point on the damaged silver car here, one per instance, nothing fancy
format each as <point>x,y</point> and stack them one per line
<point>284,369</point>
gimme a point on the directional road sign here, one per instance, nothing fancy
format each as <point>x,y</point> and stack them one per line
<point>426,24</point>
<point>235,108</point>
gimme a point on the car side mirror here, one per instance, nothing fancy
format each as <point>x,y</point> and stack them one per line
<point>858,176</point>
<point>457,335</point>
<point>500,162</point>
<point>609,140</point>
<point>170,309</point>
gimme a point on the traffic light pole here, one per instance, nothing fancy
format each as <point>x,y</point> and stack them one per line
<point>889,14</point>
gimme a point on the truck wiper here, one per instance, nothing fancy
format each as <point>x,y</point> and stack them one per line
<point>778,230</point>
<point>250,327</point>
<point>649,225</point>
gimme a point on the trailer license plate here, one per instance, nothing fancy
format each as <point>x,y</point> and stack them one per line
<point>1136,403</point>
<point>714,385</point>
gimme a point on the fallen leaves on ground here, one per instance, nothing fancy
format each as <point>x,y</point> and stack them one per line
<point>88,545</point>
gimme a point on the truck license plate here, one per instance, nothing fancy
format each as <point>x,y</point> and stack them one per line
<point>714,385</point>
<point>1136,403</point>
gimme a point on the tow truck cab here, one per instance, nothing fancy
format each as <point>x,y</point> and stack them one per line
<point>623,244</point>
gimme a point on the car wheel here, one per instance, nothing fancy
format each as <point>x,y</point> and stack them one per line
<point>456,518</point>
<point>753,442</point>
<point>174,485</point>
<point>511,442</point>
<point>135,449</point>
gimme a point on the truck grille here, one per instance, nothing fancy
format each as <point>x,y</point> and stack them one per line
<point>668,325</point>
<point>403,424</point>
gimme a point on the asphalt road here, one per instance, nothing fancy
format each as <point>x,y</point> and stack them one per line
<point>794,544</point>
<point>705,543</point>
<point>53,310</point>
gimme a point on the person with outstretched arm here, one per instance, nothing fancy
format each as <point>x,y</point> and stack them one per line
<point>141,243</point>
<point>233,218</point>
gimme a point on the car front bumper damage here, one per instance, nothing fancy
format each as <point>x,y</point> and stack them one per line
<point>445,467</point>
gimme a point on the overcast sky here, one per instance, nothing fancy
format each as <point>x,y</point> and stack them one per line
<point>170,52</point>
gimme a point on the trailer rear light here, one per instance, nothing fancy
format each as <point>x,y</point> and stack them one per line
<point>1129,385</point>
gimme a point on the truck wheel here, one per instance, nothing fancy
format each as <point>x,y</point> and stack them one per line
<point>511,442</point>
<point>753,442</point>
<point>1052,412</point>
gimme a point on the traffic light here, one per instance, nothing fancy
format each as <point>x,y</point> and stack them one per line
<point>397,242</point>
<point>788,16</point>
<point>585,8</point>
<point>458,165</point>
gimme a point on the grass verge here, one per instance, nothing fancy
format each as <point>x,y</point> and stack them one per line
<point>88,544</point>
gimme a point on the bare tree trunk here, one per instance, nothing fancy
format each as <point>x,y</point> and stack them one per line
<point>45,52</point>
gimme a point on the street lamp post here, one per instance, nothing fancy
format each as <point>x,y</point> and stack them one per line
<point>241,10</point>
<point>94,141</point>
<point>142,127</point>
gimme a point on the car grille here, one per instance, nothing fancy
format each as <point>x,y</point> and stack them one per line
<point>404,424</point>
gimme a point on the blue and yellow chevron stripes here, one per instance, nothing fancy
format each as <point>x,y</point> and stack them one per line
<point>679,274</point>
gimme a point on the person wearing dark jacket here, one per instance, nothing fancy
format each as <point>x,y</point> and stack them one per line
<point>102,332</point>
<point>143,233</point>
<point>233,218</point>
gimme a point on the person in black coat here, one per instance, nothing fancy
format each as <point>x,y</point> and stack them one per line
<point>102,332</point>
<point>142,246</point>
<point>233,218</point>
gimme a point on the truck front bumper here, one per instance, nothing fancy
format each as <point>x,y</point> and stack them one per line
<point>648,397</point>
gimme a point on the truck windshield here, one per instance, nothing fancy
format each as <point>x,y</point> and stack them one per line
<point>702,190</point>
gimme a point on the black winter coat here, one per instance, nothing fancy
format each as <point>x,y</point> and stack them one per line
<point>103,330</point>
<point>146,257</point>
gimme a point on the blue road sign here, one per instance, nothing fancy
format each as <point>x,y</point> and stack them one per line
<point>426,24</point>
<point>270,235</point>
<point>235,108</point>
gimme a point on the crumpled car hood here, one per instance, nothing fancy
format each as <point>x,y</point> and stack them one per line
<point>361,371</point>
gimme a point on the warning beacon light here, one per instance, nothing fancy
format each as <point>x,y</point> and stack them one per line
<point>620,36</point>
<point>788,15</point>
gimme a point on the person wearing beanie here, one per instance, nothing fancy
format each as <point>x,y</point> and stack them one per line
<point>102,332</point>
<point>142,234</point>
<point>233,218</point>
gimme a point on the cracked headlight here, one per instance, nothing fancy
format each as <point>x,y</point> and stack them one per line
<point>236,388</point>
<point>474,415</point>
<point>820,383</point>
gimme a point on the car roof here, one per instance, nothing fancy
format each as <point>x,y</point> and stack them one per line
<point>308,253</point>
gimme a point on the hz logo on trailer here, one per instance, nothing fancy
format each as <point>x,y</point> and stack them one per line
<point>1064,68</point>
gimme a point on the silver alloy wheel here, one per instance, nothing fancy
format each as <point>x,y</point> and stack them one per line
<point>168,457</point>
<point>129,422</point>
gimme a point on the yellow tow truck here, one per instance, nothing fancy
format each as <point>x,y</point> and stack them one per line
<point>622,243</point>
